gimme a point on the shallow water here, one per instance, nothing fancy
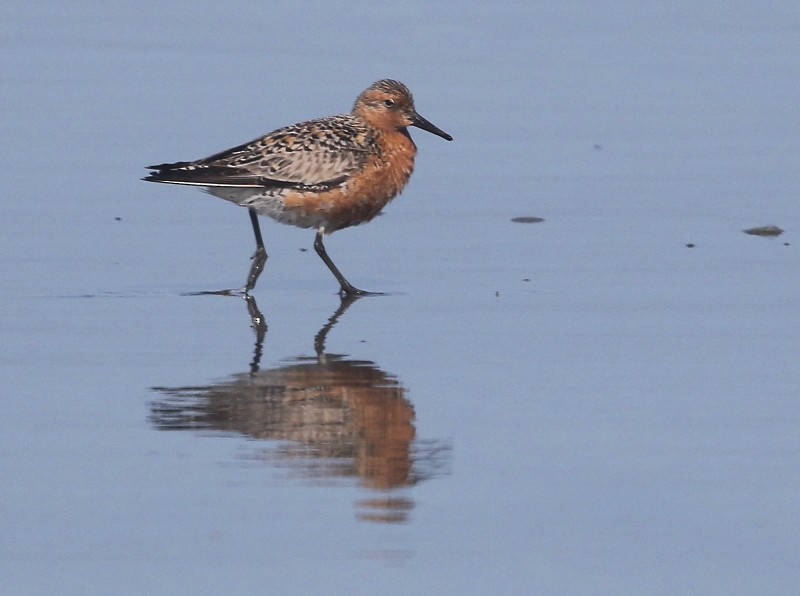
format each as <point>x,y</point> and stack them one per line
<point>601,402</point>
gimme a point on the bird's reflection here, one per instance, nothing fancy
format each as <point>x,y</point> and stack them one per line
<point>327,415</point>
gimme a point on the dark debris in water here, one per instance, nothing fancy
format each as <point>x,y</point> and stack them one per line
<point>764,231</point>
<point>527,219</point>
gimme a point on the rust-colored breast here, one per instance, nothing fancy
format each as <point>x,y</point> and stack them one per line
<point>365,193</point>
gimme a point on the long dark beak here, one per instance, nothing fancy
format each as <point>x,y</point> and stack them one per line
<point>420,122</point>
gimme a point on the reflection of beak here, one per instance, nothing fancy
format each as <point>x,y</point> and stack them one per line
<point>420,122</point>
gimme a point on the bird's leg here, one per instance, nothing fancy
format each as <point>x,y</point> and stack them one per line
<point>259,257</point>
<point>346,288</point>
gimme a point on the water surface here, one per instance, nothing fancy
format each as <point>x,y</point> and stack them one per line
<point>584,405</point>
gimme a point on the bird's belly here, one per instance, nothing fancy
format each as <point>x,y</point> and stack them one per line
<point>334,209</point>
<point>271,203</point>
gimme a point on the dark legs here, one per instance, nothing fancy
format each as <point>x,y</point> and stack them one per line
<point>347,289</point>
<point>259,257</point>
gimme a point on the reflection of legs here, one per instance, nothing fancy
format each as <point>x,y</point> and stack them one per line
<point>259,257</point>
<point>259,325</point>
<point>322,334</point>
<point>346,288</point>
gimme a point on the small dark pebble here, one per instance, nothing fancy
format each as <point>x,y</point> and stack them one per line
<point>527,219</point>
<point>302,249</point>
<point>526,279</point>
<point>764,231</point>
<point>118,218</point>
<point>690,245</point>
<point>786,244</point>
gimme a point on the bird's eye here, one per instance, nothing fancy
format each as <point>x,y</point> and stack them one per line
<point>389,103</point>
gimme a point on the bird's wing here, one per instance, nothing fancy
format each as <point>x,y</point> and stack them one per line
<point>317,154</point>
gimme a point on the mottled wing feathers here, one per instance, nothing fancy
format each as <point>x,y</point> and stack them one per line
<point>317,154</point>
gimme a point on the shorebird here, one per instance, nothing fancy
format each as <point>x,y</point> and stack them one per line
<point>329,174</point>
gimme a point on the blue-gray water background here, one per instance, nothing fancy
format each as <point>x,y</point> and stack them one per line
<point>586,405</point>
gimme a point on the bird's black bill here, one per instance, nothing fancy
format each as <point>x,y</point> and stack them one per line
<point>420,122</point>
